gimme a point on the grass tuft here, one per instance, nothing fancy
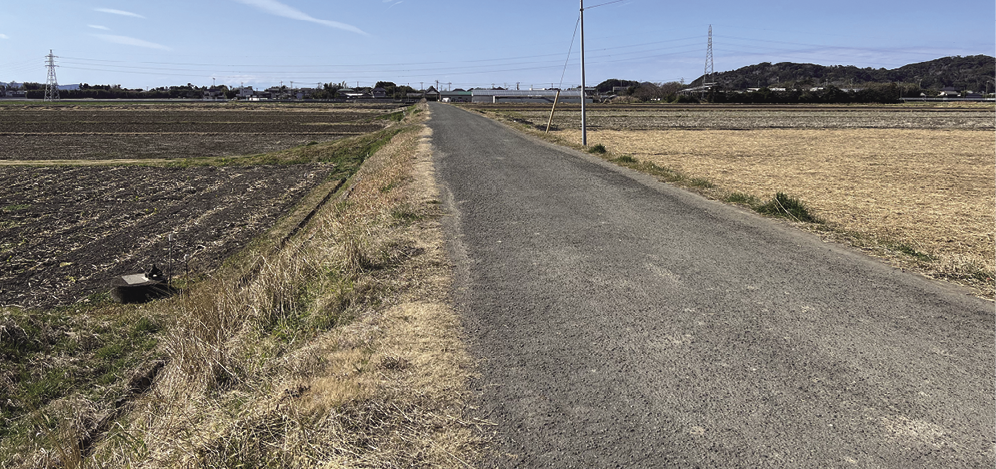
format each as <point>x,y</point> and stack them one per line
<point>788,207</point>
<point>626,159</point>
<point>700,182</point>
<point>406,214</point>
<point>598,149</point>
<point>741,198</point>
<point>912,252</point>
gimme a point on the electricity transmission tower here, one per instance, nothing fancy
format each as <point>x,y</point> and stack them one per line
<point>51,84</point>
<point>708,63</point>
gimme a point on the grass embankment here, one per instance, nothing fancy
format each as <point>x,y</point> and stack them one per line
<point>337,349</point>
<point>920,198</point>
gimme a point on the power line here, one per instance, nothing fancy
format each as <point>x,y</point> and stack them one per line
<point>569,51</point>
<point>606,3</point>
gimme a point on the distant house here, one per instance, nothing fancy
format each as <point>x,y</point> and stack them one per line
<point>949,92</point>
<point>214,94</point>
<point>349,93</point>
<point>378,93</point>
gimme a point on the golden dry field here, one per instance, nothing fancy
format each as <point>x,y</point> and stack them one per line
<point>918,181</point>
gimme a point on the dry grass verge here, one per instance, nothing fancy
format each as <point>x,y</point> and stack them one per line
<point>340,352</point>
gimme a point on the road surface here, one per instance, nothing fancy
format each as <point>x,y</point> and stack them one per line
<point>619,321</point>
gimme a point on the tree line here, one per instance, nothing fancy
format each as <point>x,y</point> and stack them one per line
<point>328,91</point>
<point>673,92</point>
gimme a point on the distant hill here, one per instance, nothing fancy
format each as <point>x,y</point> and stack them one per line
<point>962,73</point>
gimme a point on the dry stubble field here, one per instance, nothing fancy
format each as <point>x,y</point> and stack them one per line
<point>902,179</point>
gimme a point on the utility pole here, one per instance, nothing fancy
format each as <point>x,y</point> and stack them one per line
<point>584,125</point>
<point>51,84</point>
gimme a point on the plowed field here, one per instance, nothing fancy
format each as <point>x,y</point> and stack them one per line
<point>66,231</point>
<point>165,132</point>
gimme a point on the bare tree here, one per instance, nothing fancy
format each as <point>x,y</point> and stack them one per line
<point>657,91</point>
<point>647,92</point>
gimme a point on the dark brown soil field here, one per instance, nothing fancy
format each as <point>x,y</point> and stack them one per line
<point>66,232</point>
<point>166,131</point>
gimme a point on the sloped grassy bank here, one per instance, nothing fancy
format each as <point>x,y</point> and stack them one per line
<point>332,348</point>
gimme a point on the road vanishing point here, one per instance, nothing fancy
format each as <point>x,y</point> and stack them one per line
<point>618,321</point>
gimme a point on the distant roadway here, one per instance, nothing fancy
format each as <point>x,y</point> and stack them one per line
<point>619,321</point>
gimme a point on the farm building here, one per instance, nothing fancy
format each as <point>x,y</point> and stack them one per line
<point>456,96</point>
<point>526,96</point>
<point>949,92</point>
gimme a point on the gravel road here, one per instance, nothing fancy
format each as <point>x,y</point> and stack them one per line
<point>621,322</point>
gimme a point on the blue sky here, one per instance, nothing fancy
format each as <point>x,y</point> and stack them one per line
<point>140,44</point>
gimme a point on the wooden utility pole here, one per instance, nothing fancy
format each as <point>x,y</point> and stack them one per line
<point>550,122</point>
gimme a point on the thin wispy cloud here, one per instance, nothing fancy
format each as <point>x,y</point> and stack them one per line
<point>119,12</point>
<point>97,26</point>
<point>130,41</point>
<point>276,8</point>
<point>4,36</point>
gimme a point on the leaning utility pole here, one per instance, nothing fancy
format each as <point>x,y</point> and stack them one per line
<point>51,84</point>
<point>584,125</point>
